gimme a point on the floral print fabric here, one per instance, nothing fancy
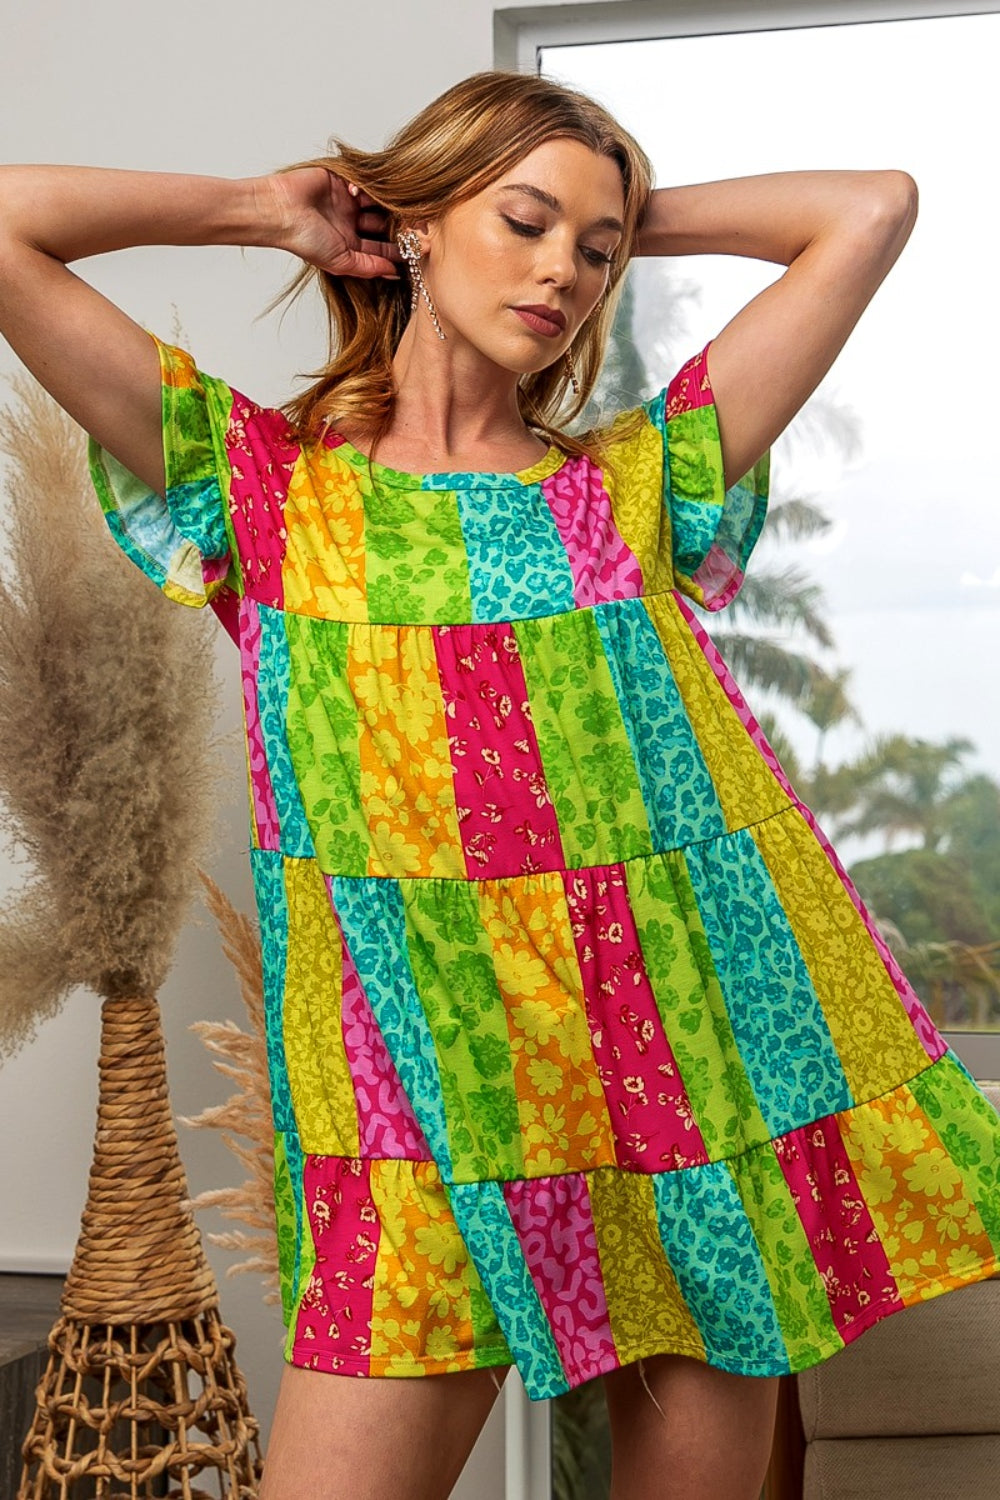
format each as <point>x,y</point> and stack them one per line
<point>582,1046</point>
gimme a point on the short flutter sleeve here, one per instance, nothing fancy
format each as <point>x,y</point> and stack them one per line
<point>713,530</point>
<point>184,541</point>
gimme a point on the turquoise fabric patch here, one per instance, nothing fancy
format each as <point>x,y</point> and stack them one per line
<point>198,513</point>
<point>485,1225</point>
<point>373,922</point>
<point>517,562</point>
<point>776,1016</point>
<point>273,678</point>
<point>696,526</point>
<point>678,792</point>
<point>712,1251</point>
<point>267,867</point>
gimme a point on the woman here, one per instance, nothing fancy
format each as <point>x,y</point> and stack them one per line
<point>583,1054</point>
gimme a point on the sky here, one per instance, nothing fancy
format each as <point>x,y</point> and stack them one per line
<point>911,564</point>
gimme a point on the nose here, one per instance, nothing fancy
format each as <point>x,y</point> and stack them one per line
<point>557,261</point>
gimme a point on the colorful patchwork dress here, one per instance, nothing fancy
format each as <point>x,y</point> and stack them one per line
<point>582,1046</point>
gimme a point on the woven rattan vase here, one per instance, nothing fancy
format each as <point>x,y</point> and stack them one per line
<point>142,1395</point>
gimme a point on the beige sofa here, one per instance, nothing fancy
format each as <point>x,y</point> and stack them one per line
<point>911,1411</point>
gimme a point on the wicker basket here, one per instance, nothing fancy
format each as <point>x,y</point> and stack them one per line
<point>142,1395</point>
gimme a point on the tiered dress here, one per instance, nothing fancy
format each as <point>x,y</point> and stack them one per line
<point>582,1046</point>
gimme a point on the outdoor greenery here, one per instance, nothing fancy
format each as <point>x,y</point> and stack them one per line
<point>930,822</point>
<point>933,886</point>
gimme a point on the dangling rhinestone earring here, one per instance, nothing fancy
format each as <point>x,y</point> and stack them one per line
<point>409,246</point>
<point>571,372</point>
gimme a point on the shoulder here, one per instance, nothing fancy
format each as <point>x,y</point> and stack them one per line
<point>199,399</point>
<point>633,429</point>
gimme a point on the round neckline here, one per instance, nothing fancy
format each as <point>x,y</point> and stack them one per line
<point>442,479</point>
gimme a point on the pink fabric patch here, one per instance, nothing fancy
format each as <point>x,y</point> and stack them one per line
<point>554,1223</point>
<point>334,1317</point>
<point>842,1235</point>
<point>603,567</point>
<point>505,813</point>
<point>265,810</point>
<point>718,577</point>
<point>930,1038</point>
<point>226,604</point>
<point>654,1125</point>
<point>387,1126</point>
<point>214,568</point>
<point>690,387</point>
<point>262,455</point>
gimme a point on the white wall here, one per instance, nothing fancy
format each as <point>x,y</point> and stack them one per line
<point>228,90</point>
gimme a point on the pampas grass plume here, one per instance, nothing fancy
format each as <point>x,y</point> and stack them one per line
<point>242,1056</point>
<point>108,766</point>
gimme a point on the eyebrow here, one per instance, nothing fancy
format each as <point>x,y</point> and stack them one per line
<point>607,222</point>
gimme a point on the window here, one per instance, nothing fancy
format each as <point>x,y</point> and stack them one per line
<point>893,452</point>
<point>897,744</point>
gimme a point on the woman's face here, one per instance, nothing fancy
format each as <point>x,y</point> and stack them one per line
<point>515,270</point>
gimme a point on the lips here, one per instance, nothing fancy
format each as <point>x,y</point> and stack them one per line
<point>547,320</point>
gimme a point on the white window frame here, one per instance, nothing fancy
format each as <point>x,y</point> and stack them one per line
<point>519,35</point>
<point>520,32</point>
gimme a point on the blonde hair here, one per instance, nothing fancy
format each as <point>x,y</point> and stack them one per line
<point>452,150</point>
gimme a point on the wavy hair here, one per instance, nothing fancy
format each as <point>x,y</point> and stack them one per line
<point>452,150</point>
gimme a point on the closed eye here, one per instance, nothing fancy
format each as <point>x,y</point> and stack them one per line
<point>520,227</point>
<point>532,231</point>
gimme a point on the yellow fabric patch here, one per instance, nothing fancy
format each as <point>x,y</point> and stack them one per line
<point>421,1304</point>
<point>645,1304</point>
<point>634,482</point>
<point>323,570</point>
<point>563,1114</point>
<point>318,1073</point>
<point>871,1030</point>
<point>929,1227</point>
<point>406,776</point>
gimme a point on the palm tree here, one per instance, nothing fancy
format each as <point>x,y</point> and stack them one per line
<point>775,602</point>
<point>907,785</point>
<point>973,816</point>
<point>624,380</point>
<point>827,706</point>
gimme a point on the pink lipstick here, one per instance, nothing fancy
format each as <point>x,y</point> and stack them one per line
<point>546,320</point>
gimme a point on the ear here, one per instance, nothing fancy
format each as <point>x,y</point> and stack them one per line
<point>424,230</point>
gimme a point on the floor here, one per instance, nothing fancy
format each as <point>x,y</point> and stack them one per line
<point>29,1305</point>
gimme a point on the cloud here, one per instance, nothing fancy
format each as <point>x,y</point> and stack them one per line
<point>973,581</point>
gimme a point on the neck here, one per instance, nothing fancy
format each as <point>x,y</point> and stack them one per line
<point>452,403</point>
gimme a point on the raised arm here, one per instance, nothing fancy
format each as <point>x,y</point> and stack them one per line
<point>838,232</point>
<point>95,360</point>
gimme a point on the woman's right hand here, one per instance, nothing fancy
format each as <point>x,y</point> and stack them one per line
<point>97,362</point>
<point>328,222</point>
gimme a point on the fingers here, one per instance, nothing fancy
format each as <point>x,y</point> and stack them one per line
<point>369,212</point>
<point>369,261</point>
<point>373,254</point>
<point>364,200</point>
<point>378,245</point>
<point>373,223</point>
